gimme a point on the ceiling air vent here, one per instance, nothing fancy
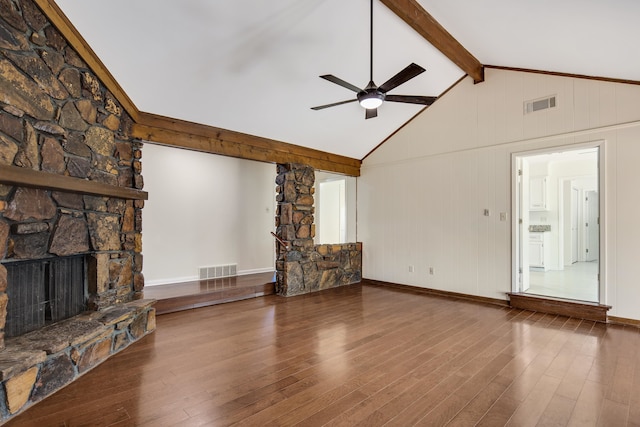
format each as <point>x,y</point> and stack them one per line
<point>539,104</point>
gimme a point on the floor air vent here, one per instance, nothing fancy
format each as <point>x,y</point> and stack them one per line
<point>540,104</point>
<point>217,271</point>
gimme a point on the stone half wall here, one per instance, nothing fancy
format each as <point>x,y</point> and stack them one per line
<point>57,118</point>
<point>302,266</point>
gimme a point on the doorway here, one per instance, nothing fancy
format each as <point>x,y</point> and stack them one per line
<point>557,223</point>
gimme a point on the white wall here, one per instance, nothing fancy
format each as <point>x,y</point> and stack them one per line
<point>421,195</point>
<point>347,221</point>
<point>330,212</point>
<point>205,210</point>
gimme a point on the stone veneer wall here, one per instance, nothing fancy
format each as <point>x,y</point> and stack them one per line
<point>302,266</point>
<point>57,117</point>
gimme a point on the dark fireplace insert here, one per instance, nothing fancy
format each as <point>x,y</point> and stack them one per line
<point>44,291</point>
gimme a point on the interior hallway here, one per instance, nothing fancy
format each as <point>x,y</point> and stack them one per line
<point>360,355</point>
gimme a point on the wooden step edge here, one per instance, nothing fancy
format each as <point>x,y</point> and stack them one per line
<point>188,302</point>
<point>564,307</point>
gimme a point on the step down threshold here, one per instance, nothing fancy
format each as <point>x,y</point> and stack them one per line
<point>565,307</point>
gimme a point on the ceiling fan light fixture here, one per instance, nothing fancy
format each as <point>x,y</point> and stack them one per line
<point>372,96</point>
<point>370,100</point>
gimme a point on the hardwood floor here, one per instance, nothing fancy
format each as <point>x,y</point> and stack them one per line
<point>360,356</point>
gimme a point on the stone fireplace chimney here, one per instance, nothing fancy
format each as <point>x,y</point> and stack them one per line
<point>70,186</point>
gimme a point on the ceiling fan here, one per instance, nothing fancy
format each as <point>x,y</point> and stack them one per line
<point>372,96</point>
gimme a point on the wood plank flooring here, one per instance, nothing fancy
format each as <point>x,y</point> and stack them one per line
<point>360,356</point>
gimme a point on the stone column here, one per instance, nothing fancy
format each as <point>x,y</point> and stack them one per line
<point>295,266</point>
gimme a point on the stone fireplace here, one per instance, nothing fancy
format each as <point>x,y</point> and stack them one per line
<point>71,204</point>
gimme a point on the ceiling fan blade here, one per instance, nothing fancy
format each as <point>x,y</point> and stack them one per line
<point>408,73</point>
<point>410,99</point>
<point>334,79</point>
<point>370,113</point>
<point>320,107</point>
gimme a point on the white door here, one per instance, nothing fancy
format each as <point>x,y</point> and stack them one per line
<point>574,225</point>
<point>593,226</point>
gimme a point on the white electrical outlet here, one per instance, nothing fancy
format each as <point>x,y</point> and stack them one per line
<point>503,216</point>
<point>411,269</point>
<point>431,271</point>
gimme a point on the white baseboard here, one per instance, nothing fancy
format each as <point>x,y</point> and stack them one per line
<point>170,280</point>
<point>256,271</point>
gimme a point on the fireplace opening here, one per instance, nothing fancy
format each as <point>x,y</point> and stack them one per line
<point>45,291</point>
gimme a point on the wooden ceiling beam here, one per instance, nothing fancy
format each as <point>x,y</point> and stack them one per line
<point>182,134</point>
<point>420,20</point>
<point>209,139</point>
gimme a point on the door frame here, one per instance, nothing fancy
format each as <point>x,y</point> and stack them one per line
<point>517,233</point>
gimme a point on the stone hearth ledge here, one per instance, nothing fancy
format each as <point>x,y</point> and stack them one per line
<point>36,364</point>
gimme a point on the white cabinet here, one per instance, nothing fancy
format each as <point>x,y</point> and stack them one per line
<point>538,250</point>
<point>538,193</point>
<point>536,254</point>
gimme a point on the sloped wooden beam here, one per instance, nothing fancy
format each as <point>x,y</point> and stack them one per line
<point>209,139</point>
<point>420,20</point>
<point>182,134</point>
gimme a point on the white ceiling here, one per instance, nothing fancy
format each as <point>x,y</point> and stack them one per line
<point>252,66</point>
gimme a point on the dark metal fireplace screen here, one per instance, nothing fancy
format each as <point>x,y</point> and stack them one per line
<point>42,292</point>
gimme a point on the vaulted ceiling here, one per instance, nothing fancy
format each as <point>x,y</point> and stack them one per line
<point>252,67</point>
